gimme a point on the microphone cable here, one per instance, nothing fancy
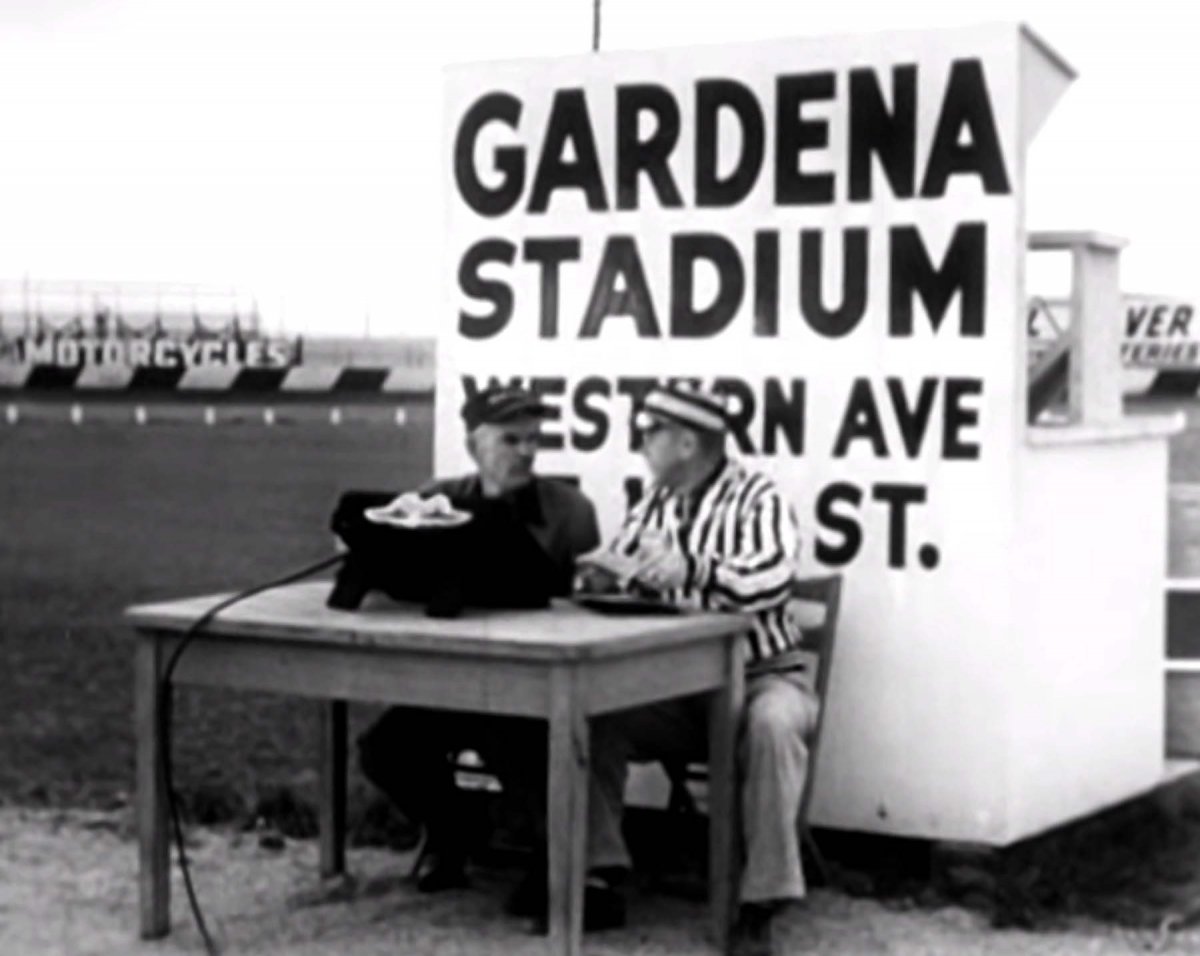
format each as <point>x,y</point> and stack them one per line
<point>164,690</point>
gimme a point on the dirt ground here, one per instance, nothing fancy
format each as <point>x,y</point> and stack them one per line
<point>68,885</point>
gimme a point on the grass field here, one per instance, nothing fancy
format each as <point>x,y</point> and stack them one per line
<point>96,517</point>
<point>101,515</point>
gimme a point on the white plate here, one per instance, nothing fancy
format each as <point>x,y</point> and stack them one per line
<point>624,604</point>
<point>396,520</point>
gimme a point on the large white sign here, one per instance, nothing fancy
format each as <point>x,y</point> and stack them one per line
<point>814,226</point>
<point>826,230</point>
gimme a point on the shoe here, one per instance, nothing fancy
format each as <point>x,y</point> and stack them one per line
<point>751,934</point>
<point>440,872</point>
<point>603,909</point>
<point>528,900</point>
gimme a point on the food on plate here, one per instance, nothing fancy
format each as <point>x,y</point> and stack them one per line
<point>411,510</point>
<point>411,503</point>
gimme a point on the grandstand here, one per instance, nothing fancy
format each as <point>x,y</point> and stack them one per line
<point>184,340</point>
<point>124,309</point>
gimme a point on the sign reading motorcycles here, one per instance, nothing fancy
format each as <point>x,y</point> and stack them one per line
<point>148,352</point>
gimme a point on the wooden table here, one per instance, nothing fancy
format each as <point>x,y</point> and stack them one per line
<point>565,664</point>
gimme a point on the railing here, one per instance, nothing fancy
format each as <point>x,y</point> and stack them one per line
<point>1080,366</point>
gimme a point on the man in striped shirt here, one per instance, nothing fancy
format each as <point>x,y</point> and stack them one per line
<point>712,534</point>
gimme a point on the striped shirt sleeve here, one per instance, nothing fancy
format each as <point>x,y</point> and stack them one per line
<point>646,513</point>
<point>756,573</point>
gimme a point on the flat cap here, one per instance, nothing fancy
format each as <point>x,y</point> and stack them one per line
<point>499,404</point>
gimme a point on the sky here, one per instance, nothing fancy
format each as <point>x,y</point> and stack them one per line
<point>287,149</point>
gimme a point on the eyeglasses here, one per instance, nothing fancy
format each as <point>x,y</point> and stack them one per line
<point>646,424</point>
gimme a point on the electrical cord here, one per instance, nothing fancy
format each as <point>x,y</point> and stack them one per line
<point>164,687</point>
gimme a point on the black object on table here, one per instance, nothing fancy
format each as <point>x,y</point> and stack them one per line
<point>491,561</point>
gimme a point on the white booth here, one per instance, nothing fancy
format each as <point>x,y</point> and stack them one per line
<point>832,232</point>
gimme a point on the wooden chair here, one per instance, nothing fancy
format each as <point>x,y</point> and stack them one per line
<point>817,641</point>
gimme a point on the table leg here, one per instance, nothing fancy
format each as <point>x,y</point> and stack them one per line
<point>566,812</point>
<point>725,705</point>
<point>151,704</point>
<point>332,823</point>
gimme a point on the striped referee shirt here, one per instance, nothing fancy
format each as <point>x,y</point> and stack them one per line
<point>741,542</point>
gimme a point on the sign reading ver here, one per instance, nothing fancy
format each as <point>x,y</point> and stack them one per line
<point>824,230</point>
<point>1159,332</point>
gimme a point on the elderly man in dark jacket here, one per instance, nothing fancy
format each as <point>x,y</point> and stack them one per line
<point>406,752</point>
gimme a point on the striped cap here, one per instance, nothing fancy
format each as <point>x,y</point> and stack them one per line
<point>501,403</point>
<point>701,409</point>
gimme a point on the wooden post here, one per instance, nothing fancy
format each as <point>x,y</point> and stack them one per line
<point>1096,300</point>
<point>1094,393</point>
<point>153,846</point>
<point>333,788</point>
<point>566,818</point>
<point>724,819</point>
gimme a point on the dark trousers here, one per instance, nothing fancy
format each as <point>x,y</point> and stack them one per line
<point>409,754</point>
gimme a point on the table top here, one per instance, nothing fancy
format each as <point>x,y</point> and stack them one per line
<point>564,631</point>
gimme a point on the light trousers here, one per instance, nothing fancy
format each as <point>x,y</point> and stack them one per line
<point>779,716</point>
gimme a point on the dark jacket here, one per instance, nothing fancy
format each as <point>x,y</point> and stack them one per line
<point>558,515</point>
